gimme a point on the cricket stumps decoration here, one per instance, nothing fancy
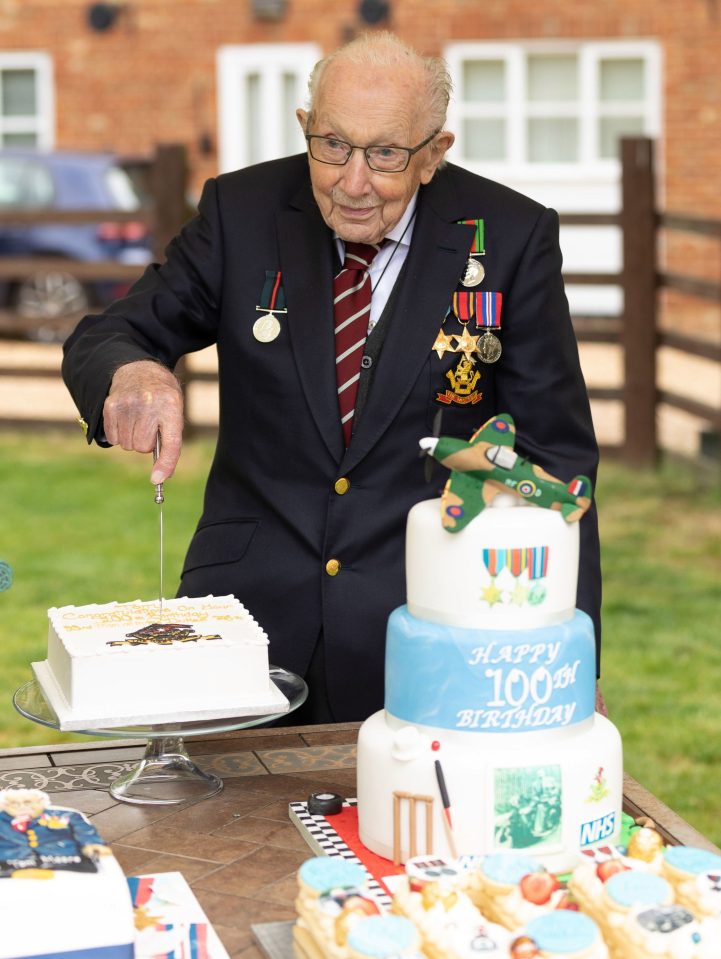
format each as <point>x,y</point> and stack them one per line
<point>487,465</point>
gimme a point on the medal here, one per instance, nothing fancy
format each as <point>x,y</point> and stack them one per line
<point>266,328</point>
<point>474,273</point>
<point>489,347</point>
<point>443,343</point>
<point>466,344</point>
<point>272,300</point>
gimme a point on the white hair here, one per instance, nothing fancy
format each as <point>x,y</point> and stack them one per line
<point>385,49</point>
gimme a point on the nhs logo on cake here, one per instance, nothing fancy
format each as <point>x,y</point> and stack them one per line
<point>597,830</point>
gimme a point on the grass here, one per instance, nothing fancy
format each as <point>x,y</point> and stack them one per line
<point>79,525</point>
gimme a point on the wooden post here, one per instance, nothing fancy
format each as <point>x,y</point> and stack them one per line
<point>638,332</point>
<point>169,182</point>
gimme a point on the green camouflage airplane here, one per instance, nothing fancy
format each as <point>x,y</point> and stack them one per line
<point>487,466</point>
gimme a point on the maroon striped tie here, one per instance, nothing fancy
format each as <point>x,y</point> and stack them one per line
<point>351,311</point>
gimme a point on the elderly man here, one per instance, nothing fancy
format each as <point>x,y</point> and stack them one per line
<point>425,272</point>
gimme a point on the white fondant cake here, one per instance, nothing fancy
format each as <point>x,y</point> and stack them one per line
<point>489,741</point>
<point>131,662</point>
<point>62,893</point>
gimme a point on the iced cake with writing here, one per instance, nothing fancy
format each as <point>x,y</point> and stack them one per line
<point>121,663</point>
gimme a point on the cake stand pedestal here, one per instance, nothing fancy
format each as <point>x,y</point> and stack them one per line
<point>166,774</point>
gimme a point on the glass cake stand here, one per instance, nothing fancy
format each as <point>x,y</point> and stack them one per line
<point>166,774</point>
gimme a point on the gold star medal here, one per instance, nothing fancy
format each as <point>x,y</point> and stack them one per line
<point>466,344</point>
<point>443,343</point>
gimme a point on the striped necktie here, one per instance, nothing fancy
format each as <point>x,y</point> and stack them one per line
<point>351,311</point>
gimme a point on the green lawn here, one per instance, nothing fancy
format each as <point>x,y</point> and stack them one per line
<point>79,525</point>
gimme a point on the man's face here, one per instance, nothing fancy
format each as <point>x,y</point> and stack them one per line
<point>368,107</point>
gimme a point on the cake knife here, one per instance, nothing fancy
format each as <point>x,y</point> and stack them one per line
<point>160,499</point>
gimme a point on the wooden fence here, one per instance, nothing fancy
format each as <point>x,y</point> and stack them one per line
<point>636,331</point>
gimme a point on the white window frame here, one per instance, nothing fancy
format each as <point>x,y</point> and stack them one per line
<point>516,109</point>
<point>235,64</point>
<point>42,124</point>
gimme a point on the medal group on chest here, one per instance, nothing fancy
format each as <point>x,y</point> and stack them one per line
<point>478,310</point>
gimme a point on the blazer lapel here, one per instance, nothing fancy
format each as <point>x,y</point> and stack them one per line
<point>436,260</point>
<point>306,258</point>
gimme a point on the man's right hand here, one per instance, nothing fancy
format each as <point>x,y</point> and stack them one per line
<point>145,398</point>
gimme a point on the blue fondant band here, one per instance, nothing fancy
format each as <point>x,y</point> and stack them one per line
<point>490,681</point>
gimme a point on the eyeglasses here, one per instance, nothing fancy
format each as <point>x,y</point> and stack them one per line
<point>381,159</point>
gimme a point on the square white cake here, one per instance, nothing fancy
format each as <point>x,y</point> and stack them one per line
<point>112,664</point>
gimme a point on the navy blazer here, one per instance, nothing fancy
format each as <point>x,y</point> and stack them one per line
<point>272,517</point>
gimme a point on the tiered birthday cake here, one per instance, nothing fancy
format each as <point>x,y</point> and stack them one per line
<point>137,662</point>
<point>489,741</point>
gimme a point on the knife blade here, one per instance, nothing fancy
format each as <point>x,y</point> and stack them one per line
<point>159,500</point>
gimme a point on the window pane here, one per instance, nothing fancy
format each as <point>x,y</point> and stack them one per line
<point>20,140</point>
<point>252,93</point>
<point>621,80</point>
<point>18,93</point>
<point>552,78</point>
<point>23,183</point>
<point>484,139</point>
<point>484,81</point>
<point>553,140</point>
<point>614,127</point>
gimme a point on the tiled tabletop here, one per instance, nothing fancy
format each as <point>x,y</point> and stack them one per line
<point>238,850</point>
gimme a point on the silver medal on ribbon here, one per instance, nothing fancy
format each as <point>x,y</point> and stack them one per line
<point>266,328</point>
<point>474,272</point>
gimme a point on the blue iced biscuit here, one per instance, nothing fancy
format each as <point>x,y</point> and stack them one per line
<point>329,872</point>
<point>563,932</point>
<point>381,937</point>
<point>638,889</point>
<point>691,860</point>
<point>507,868</point>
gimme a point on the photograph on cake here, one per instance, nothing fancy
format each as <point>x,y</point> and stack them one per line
<point>527,806</point>
<point>37,837</point>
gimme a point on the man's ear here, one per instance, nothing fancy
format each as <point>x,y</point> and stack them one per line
<point>438,149</point>
<point>302,116</point>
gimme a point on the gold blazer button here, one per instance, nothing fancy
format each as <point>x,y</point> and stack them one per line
<point>332,567</point>
<point>341,485</point>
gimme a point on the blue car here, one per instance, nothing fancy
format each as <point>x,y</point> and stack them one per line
<point>47,304</point>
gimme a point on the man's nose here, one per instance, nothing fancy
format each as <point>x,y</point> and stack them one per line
<point>356,174</point>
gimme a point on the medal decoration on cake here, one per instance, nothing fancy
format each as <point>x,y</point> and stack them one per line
<point>513,563</point>
<point>6,576</point>
<point>38,839</point>
<point>272,300</point>
<point>488,466</point>
<point>162,634</point>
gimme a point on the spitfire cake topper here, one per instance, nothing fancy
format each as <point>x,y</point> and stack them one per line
<point>487,466</point>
